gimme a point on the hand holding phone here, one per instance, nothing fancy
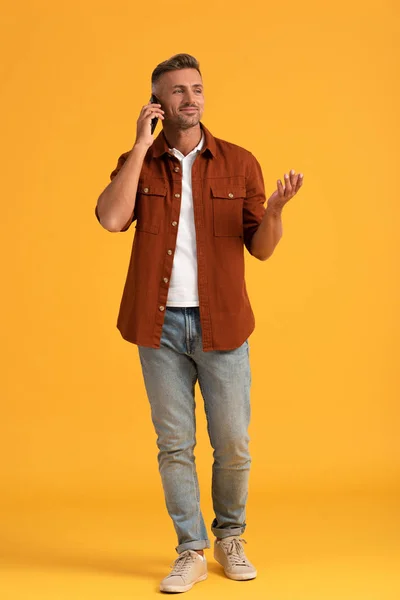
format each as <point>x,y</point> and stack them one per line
<point>147,122</point>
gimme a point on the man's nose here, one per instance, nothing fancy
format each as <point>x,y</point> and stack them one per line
<point>190,98</point>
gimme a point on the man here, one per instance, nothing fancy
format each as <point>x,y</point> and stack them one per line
<point>197,201</point>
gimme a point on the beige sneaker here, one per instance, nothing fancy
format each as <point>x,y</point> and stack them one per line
<point>189,568</point>
<point>229,552</point>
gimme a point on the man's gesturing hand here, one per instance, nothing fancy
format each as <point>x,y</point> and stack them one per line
<point>283,194</point>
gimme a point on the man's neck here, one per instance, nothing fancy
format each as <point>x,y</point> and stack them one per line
<point>183,140</point>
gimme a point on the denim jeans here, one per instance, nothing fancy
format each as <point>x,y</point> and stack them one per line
<point>170,373</point>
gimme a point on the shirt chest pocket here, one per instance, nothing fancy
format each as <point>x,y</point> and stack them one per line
<point>227,202</point>
<point>150,205</point>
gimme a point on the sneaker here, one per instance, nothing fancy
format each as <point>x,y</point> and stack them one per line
<point>229,553</point>
<point>189,568</point>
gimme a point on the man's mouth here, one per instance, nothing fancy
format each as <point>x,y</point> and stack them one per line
<point>189,109</point>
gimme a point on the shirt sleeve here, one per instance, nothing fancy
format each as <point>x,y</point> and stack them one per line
<point>120,163</point>
<point>253,207</point>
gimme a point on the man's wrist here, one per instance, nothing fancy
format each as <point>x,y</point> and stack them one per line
<point>274,210</point>
<point>140,147</point>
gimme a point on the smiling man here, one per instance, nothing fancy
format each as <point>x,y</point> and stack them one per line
<point>198,202</point>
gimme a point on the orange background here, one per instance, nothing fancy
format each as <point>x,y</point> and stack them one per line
<point>306,86</point>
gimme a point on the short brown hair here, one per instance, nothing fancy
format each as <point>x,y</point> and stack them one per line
<point>176,62</point>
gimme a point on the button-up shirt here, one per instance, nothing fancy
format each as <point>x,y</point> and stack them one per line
<point>228,203</point>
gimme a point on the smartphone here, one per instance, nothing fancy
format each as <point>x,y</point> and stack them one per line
<point>154,121</point>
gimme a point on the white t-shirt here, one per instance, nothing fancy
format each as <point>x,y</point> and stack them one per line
<point>183,290</point>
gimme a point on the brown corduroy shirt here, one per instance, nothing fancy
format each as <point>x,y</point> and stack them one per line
<point>228,202</point>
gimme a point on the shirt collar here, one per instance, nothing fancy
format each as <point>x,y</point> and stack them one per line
<point>195,150</point>
<point>207,142</point>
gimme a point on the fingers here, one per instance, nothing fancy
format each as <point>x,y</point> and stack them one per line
<point>152,110</point>
<point>151,104</point>
<point>293,183</point>
<point>298,182</point>
<point>153,114</point>
<point>288,184</point>
<point>281,191</point>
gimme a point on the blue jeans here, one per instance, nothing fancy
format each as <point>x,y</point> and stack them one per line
<point>170,373</point>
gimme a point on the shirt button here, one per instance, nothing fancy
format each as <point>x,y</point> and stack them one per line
<point>176,169</point>
<point>230,195</point>
<point>177,195</point>
<point>161,308</point>
<point>165,280</point>
<point>174,223</point>
<point>146,190</point>
<point>169,252</point>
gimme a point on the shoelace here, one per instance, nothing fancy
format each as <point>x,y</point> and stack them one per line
<point>235,552</point>
<point>182,563</point>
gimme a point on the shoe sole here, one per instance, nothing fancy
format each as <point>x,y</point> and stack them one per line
<point>182,588</point>
<point>241,576</point>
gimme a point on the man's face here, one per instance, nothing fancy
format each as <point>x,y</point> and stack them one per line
<point>181,96</point>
